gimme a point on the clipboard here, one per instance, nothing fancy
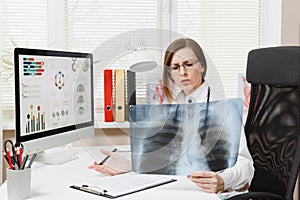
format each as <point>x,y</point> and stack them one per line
<point>111,188</point>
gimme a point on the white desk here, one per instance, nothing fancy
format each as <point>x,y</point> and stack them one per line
<point>53,181</point>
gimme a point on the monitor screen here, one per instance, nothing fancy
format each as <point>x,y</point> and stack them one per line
<point>54,97</point>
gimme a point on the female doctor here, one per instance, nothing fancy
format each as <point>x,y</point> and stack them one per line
<point>185,66</point>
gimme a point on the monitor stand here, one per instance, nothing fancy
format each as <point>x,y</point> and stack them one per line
<point>57,155</point>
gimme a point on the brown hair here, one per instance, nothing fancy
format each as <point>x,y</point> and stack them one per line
<point>171,50</point>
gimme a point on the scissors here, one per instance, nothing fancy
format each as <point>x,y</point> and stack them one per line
<point>13,157</point>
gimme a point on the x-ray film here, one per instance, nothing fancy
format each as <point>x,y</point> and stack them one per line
<point>181,138</point>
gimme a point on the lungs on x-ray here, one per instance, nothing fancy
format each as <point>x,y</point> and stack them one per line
<point>180,138</point>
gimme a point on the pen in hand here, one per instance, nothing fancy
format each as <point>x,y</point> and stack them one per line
<point>107,157</point>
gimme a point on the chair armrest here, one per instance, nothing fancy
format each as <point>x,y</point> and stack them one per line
<point>256,195</point>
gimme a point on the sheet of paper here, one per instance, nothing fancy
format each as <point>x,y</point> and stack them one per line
<point>127,183</point>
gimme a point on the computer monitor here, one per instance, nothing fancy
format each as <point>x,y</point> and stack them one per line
<point>54,97</point>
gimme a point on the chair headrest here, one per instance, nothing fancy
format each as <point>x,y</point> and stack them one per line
<point>274,66</point>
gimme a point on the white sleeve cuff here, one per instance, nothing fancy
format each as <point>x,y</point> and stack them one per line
<point>228,179</point>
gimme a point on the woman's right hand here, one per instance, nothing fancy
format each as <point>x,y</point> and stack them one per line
<point>116,164</point>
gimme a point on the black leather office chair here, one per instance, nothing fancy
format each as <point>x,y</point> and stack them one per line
<point>273,123</point>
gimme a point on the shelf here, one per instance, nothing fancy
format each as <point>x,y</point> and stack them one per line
<point>100,124</point>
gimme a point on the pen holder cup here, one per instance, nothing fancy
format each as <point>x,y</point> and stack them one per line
<point>18,184</point>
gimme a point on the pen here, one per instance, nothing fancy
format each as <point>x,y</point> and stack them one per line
<point>20,156</point>
<point>31,160</point>
<point>24,162</point>
<point>107,157</point>
<point>17,159</point>
<point>87,189</point>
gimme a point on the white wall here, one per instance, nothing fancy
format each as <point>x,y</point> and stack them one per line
<point>271,28</point>
<point>1,133</point>
<point>290,34</point>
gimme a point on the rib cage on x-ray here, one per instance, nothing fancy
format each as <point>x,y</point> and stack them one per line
<point>180,138</point>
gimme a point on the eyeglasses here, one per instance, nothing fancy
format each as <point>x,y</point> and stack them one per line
<point>187,65</point>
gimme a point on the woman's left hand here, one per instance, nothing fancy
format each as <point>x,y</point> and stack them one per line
<point>209,181</point>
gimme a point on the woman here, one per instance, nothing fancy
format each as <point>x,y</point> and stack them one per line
<point>185,66</point>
